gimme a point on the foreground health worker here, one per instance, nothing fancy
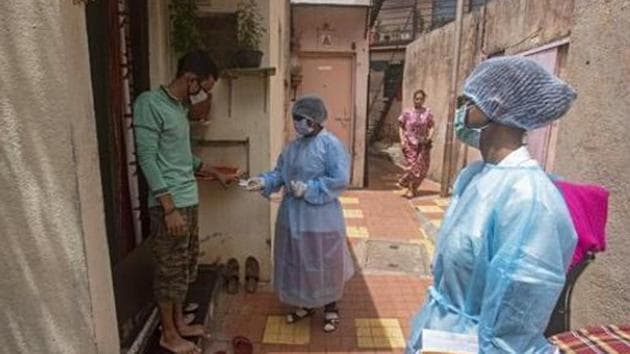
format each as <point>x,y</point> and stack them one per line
<point>507,238</point>
<point>312,260</point>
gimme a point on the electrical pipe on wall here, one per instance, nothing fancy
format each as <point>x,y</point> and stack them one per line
<point>447,165</point>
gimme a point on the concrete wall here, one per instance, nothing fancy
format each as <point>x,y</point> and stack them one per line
<point>428,67</point>
<point>510,27</point>
<point>351,38</point>
<point>234,222</point>
<point>160,52</point>
<point>279,57</point>
<point>56,286</point>
<point>593,147</point>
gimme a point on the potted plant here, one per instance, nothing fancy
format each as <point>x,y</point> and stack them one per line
<point>185,34</point>
<point>249,34</point>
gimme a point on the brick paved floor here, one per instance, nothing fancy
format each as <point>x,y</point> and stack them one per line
<point>376,307</point>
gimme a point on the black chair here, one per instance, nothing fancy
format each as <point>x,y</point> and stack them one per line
<point>560,320</point>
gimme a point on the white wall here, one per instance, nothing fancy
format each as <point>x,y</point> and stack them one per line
<point>56,286</point>
<point>237,223</point>
<point>160,53</point>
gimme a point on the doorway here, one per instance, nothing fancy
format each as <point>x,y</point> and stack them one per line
<point>117,33</point>
<point>332,78</point>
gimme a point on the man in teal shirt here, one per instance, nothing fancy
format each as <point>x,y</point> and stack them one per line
<point>164,153</point>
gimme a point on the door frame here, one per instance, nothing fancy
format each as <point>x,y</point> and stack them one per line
<point>353,84</point>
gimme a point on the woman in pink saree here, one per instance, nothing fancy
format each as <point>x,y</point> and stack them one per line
<point>416,134</point>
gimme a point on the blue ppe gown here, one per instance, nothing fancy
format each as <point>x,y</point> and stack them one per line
<point>501,257</point>
<point>311,258</point>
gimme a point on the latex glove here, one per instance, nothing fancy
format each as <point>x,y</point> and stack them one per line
<point>255,184</point>
<point>298,188</point>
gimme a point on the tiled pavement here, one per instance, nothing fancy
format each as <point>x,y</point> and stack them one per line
<point>376,311</point>
<point>376,307</point>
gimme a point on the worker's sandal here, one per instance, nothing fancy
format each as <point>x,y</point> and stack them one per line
<point>299,314</point>
<point>331,320</point>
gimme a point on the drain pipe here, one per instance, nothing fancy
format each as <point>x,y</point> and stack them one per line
<point>447,162</point>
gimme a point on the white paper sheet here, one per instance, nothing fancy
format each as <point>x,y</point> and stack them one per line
<point>441,341</point>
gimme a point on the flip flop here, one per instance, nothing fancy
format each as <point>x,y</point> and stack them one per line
<point>252,272</point>
<point>232,276</point>
<point>242,345</point>
<point>191,307</point>
<point>205,333</point>
<point>331,321</point>
<point>192,348</point>
<point>295,316</point>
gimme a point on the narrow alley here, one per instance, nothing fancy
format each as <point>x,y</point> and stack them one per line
<point>392,248</point>
<point>146,147</point>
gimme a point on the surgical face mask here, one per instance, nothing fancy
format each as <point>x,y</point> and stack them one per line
<point>302,128</point>
<point>200,96</point>
<point>468,136</point>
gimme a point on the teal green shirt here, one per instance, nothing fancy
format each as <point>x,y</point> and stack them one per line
<point>163,148</point>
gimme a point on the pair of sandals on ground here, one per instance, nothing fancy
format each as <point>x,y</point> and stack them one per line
<point>232,279</point>
<point>331,316</point>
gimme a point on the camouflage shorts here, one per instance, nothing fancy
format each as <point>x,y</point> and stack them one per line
<point>176,257</point>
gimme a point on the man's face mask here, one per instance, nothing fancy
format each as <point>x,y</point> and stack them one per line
<point>469,136</point>
<point>201,96</point>
<point>302,126</point>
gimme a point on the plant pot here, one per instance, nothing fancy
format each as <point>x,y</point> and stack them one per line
<point>248,58</point>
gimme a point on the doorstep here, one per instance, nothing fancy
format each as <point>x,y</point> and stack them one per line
<point>204,292</point>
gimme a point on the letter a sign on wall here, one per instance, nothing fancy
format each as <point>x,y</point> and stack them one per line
<point>325,36</point>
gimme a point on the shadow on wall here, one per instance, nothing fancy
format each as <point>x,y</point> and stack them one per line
<point>45,286</point>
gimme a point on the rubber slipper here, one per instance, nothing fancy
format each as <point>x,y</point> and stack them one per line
<point>295,316</point>
<point>205,333</point>
<point>191,307</point>
<point>232,276</point>
<point>242,345</point>
<point>192,348</point>
<point>252,273</point>
<point>331,321</point>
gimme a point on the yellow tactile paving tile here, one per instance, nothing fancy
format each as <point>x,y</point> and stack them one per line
<point>436,222</point>
<point>379,333</point>
<point>429,209</point>
<point>353,213</point>
<point>428,246</point>
<point>277,331</point>
<point>357,232</point>
<point>349,200</point>
<point>442,202</point>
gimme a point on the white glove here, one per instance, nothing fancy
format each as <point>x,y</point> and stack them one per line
<point>298,188</point>
<point>255,184</point>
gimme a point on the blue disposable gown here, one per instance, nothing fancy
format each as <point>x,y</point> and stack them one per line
<point>502,254</point>
<point>311,257</point>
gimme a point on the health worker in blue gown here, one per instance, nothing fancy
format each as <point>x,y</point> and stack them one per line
<point>312,262</point>
<point>507,239</point>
